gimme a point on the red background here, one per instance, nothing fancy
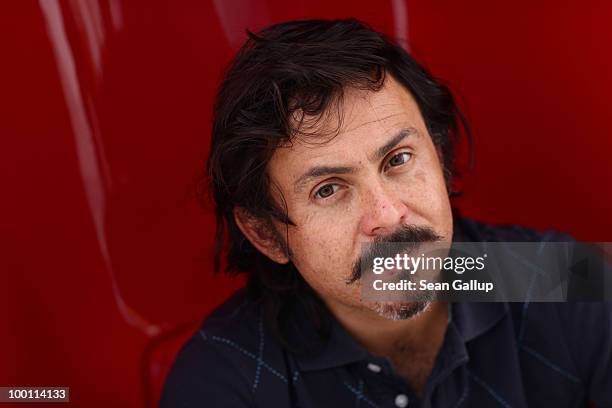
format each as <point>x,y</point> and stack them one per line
<point>105,119</point>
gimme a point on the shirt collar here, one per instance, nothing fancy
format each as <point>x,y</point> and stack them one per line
<point>338,350</point>
<point>471,320</point>
<point>474,319</point>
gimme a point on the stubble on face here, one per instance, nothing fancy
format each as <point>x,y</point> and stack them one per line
<point>400,310</point>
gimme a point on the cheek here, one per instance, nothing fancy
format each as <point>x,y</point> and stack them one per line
<point>322,254</point>
<point>426,194</point>
<point>431,189</point>
<point>440,206</point>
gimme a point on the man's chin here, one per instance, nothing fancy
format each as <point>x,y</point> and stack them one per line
<point>400,310</point>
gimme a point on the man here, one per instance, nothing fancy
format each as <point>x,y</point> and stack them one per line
<point>327,137</point>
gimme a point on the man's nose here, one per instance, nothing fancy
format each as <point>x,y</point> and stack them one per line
<point>383,212</point>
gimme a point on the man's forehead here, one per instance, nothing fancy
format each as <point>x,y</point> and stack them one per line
<point>358,108</point>
<point>364,123</point>
<point>364,117</point>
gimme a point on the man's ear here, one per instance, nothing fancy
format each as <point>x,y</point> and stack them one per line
<point>260,234</point>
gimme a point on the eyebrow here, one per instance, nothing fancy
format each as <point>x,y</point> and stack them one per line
<point>320,171</point>
<point>397,139</point>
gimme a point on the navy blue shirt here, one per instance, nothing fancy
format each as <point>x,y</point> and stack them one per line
<point>493,355</point>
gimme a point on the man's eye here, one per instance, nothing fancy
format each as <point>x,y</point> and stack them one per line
<point>326,191</point>
<point>399,159</point>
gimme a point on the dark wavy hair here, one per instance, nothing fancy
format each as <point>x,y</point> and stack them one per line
<point>299,68</point>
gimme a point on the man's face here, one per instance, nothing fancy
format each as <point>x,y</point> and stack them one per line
<point>380,172</point>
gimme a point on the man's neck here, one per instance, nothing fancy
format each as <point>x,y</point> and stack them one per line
<point>410,344</point>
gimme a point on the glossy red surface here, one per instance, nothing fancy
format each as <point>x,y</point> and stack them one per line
<point>105,119</point>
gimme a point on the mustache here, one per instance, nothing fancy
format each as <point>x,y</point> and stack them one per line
<point>408,235</point>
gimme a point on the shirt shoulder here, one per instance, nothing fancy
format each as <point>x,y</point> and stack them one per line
<point>227,362</point>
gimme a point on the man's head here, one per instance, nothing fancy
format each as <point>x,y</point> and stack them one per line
<point>326,136</point>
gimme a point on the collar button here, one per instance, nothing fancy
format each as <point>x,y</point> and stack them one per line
<point>401,401</point>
